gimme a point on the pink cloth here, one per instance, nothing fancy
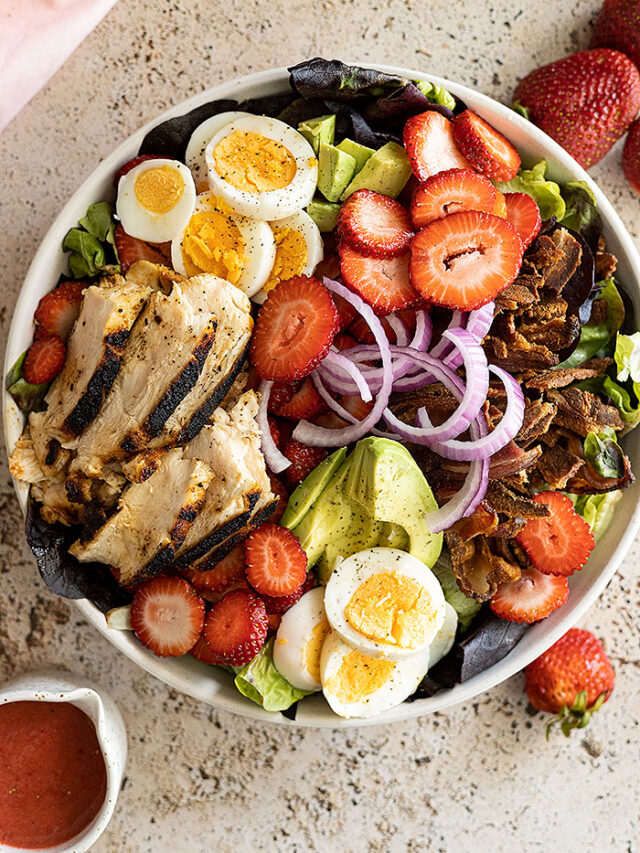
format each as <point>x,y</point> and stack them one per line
<point>36,37</point>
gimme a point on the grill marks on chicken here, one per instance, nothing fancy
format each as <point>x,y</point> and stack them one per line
<point>134,448</point>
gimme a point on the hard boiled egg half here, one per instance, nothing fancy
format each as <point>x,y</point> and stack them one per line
<point>385,603</point>
<point>217,241</point>
<point>155,200</point>
<point>357,685</point>
<point>262,167</point>
<point>200,138</point>
<point>299,250</point>
<point>299,641</point>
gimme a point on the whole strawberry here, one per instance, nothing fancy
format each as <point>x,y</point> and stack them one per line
<point>631,156</point>
<point>572,679</point>
<point>585,101</point>
<point>618,26</point>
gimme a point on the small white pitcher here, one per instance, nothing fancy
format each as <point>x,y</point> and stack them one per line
<point>58,686</point>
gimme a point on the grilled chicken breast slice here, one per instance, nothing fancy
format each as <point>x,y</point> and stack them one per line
<point>151,521</point>
<point>94,356</point>
<point>230,445</point>
<point>166,353</point>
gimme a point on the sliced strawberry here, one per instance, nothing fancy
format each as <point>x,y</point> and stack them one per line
<point>44,360</point>
<point>450,192</point>
<point>346,311</point>
<point>382,282</point>
<point>202,652</point>
<point>305,403</point>
<point>531,598</point>
<point>294,329</point>
<point>500,207</point>
<point>276,563</point>
<point>167,616</point>
<point>430,145</point>
<point>343,340</point>
<point>489,151</point>
<point>524,214</point>
<point>310,582</point>
<point>279,490</point>
<point>131,164</point>
<point>463,260</point>
<point>303,460</point>
<point>281,392</point>
<point>356,406</point>
<point>559,543</point>
<point>58,310</point>
<point>276,434</point>
<point>229,570</point>
<point>214,597</point>
<point>280,604</point>
<point>274,620</point>
<point>375,224</point>
<point>130,250</point>
<point>236,627</point>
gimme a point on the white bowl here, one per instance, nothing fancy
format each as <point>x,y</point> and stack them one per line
<point>214,687</point>
<point>56,686</point>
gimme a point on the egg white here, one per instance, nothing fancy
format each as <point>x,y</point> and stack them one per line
<point>355,570</point>
<point>201,137</point>
<point>294,633</point>
<point>443,640</point>
<point>304,224</point>
<point>259,247</point>
<point>402,682</point>
<point>141,223</point>
<point>270,204</point>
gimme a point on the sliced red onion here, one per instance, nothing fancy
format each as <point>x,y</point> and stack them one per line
<point>443,346</point>
<point>317,436</point>
<point>400,330</point>
<point>331,402</point>
<point>478,324</point>
<point>469,495</point>
<point>473,397</point>
<point>341,364</point>
<point>275,460</point>
<point>493,441</point>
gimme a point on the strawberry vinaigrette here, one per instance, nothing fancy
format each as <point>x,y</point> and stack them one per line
<point>53,778</point>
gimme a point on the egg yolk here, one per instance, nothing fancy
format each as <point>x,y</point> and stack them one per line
<point>291,256</point>
<point>313,649</point>
<point>254,163</point>
<point>358,676</point>
<point>212,243</point>
<point>159,190</point>
<point>390,608</point>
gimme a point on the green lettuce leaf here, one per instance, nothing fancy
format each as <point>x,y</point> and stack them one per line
<point>604,453</point>
<point>627,357</point>
<point>465,607</point>
<point>436,94</point>
<point>597,510</point>
<point>29,397</point>
<point>545,193</point>
<point>260,681</point>
<point>92,243</point>
<point>619,396</point>
<point>594,337</point>
<point>581,214</point>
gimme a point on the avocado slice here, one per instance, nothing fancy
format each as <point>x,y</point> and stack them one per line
<point>386,482</point>
<point>386,171</point>
<point>317,130</point>
<point>360,152</point>
<point>465,607</point>
<point>323,213</point>
<point>336,168</point>
<point>311,488</point>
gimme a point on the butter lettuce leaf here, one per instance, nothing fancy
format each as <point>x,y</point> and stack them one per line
<point>436,94</point>
<point>604,453</point>
<point>581,213</point>
<point>465,607</point>
<point>596,336</point>
<point>29,397</point>
<point>619,396</point>
<point>544,192</point>
<point>627,357</point>
<point>260,681</point>
<point>597,510</point>
<point>92,243</point>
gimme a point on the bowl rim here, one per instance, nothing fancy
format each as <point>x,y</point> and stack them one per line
<point>190,677</point>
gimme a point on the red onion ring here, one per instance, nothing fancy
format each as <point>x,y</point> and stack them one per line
<point>275,460</point>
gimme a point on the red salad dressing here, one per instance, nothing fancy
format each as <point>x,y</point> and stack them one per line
<point>53,778</point>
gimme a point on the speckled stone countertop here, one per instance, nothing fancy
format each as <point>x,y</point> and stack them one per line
<point>480,777</point>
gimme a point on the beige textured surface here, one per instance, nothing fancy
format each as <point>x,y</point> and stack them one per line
<point>478,778</point>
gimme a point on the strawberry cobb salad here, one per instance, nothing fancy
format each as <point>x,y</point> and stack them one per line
<point>331,395</point>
